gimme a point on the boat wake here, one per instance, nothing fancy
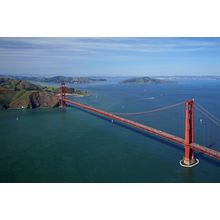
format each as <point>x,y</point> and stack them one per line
<point>149,98</point>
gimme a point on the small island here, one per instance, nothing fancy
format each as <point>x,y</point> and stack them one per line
<point>145,80</point>
<point>23,94</point>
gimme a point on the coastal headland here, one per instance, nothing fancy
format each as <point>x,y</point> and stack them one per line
<point>19,94</point>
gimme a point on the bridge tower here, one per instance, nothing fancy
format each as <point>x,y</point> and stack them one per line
<point>63,91</point>
<point>189,160</point>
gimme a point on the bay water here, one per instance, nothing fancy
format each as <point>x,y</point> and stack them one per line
<point>71,145</point>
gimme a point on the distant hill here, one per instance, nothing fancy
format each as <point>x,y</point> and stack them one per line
<point>58,79</point>
<point>145,80</point>
<point>23,94</point>
<point>74,80</point>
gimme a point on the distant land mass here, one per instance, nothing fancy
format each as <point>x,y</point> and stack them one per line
<point>58,79</point>
<point>145,80</point>
<point>190,77</point>
<point>23,94</point>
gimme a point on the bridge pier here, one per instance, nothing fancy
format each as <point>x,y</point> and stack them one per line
<point>189,160</point>
<point>63,91</point>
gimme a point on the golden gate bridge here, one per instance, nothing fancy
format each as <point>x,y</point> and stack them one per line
<point>189,160</point>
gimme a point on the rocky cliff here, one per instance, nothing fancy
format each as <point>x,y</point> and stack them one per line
<point>35,99</point>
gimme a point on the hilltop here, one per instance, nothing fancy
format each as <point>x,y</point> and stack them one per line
<point>23,94</point>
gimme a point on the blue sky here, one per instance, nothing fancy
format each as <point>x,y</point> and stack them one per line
<point>110,56</point>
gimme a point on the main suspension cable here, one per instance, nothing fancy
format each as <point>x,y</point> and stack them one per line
<point>208,116</point>
<point>149,111</point>
<point>209,113</point>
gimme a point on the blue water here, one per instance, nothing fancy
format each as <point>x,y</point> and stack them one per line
<point>55,145</point>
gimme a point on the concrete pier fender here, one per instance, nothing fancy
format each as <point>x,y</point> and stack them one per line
<point>188,164</point>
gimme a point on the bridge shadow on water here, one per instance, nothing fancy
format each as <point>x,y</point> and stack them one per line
<point>150,136</point>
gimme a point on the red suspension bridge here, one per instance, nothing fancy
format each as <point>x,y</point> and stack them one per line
<point>188,142</point>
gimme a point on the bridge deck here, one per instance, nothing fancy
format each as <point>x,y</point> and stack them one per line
<point>156,132</point>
